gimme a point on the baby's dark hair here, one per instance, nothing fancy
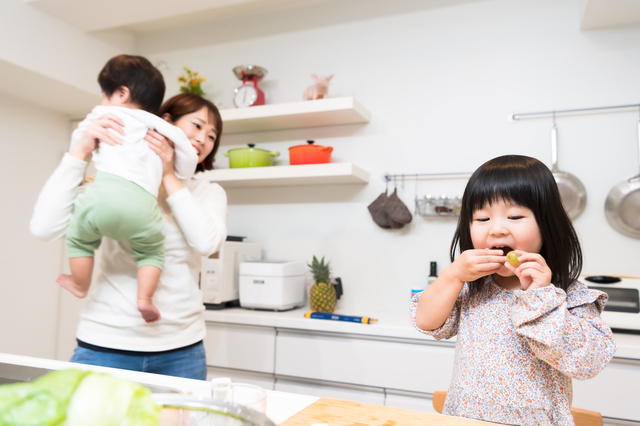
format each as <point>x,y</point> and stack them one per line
<point>144,81</point>
<point>526,182</point>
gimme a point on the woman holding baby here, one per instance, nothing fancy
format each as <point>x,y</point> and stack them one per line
<point>111,331</point>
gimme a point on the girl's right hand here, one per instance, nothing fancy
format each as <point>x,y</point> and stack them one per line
<point>97,131</point>
<point>477,263</point>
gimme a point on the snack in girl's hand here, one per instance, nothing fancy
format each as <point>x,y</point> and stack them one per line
<point>512,258</point>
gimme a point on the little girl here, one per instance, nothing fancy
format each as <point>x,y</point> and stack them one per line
<point>523,332</point>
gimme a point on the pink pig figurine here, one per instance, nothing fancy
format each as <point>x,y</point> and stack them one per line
<point>318,90</point>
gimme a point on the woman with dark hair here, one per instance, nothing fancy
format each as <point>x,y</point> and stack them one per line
<point>525,326</point>
<point>111,332</point>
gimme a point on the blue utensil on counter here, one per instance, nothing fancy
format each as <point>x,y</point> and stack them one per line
<point>336,317</point>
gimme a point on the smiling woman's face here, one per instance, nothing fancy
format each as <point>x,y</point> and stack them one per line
<point>200,130</point>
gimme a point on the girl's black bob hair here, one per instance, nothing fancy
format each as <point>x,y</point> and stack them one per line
<point>527,182</point>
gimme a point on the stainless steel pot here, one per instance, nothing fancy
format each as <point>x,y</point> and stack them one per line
<point>572,192</point>
<point>622,207</point>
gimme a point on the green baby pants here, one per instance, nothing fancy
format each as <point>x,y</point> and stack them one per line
<point>119,209</point>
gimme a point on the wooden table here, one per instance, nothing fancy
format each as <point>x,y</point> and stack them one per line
<point>336,412</point>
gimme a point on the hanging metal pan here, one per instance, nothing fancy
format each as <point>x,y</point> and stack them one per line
<point>572,192</point>
<point>622,207</point>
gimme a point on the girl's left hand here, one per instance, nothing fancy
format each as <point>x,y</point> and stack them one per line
<point>164,148</point>
<point>533,272</point>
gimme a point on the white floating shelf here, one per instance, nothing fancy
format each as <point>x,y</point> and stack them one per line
<point>319,112</point>
<point>309,174</point>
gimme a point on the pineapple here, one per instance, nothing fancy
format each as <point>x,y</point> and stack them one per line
<point>323,294</point>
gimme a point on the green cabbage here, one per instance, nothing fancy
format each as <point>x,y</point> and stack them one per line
<point>77,398</point>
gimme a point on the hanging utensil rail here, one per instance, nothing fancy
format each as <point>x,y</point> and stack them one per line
<point>386,177</point>
<point>429,206</point>
<point>544,114</point>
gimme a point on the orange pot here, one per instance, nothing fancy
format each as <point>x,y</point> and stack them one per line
<point>309,154</point>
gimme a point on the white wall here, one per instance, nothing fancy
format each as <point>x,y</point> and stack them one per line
<point>48,62</point>
<point>33,142</point>
<point>440,84</point>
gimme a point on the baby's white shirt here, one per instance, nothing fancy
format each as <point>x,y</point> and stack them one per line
<point>134,160</point>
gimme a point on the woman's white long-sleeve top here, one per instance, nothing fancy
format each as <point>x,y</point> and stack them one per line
<point>194,227</point>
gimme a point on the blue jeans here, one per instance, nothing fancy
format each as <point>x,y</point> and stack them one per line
<point>189,363</point>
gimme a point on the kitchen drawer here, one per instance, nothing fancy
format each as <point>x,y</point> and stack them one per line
<point>264,380</point>
<point>615,392</point>
<point>410,401</point>
<point>377,362</point>
<point>241,347</point>
<point>331,390</point>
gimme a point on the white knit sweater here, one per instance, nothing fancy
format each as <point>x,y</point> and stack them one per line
<point>195,227</point>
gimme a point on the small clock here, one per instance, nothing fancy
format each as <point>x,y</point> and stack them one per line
<point>249,94</point>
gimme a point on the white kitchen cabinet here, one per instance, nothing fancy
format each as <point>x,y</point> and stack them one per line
<point>378,362</point>
<point>409,401</point>
<point>264,380</point>
<point>331,390</point>
<point>241,347</point>
<point>614,392</point>
<point>399,372</point>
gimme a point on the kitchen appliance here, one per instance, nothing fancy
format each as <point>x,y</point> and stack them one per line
<point>622,311</point>
<point>219,278</point>
<point>272,285</point>
<point>622,207</point>
<point>572,191</point>
<point>249,94</point>
<point>309,154</point>
<point>250,157</point>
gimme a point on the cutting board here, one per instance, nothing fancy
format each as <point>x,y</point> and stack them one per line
<point>336,412</point>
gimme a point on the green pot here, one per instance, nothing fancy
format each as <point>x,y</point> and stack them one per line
<point>250,157</point>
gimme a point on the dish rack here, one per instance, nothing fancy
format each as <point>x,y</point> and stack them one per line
<point>429,205</point>
<point>443,206</point>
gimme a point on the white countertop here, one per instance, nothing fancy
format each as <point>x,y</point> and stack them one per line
<point>389,324</point>
<point>280,405</point>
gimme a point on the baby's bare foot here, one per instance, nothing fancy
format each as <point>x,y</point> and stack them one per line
<point>66,281</point>
<point>149,312</point>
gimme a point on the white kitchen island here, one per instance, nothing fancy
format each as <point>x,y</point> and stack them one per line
<point>280,405</point>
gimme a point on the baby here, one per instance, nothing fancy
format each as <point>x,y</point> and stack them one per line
<point>121,203</point>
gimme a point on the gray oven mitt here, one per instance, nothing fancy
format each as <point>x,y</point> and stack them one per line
<point>379,213</point>
<point>396,209</point>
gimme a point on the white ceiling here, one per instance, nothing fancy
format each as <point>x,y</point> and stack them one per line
<point>141,16</point>
<point>150,15</point>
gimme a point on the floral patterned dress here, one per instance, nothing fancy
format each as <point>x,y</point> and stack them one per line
<point>517,351</point>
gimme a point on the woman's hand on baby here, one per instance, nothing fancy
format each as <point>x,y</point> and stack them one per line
<point>164,148</point>
<point>98,131</point>
<point>476,263</point>
<point>533,272</point>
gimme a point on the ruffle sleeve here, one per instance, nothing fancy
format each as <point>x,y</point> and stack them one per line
<point>451,324</point>
<point>565,329</point>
